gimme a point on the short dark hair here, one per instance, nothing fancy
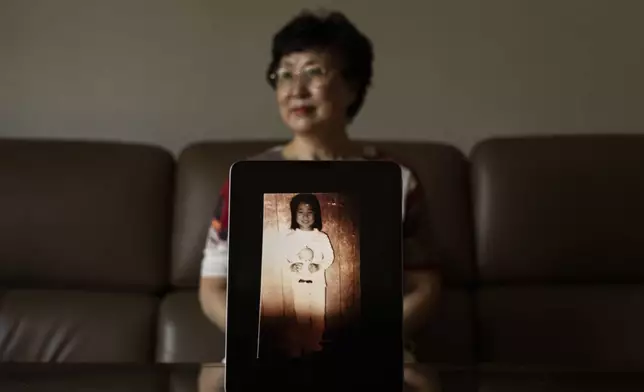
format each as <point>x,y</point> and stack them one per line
<point>331,32</point>
<point>310,199</point>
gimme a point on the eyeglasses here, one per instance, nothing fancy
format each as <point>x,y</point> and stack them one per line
<point>312,76</point>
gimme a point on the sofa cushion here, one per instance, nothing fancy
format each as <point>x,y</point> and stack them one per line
<point>184,379</point>
<point>560,209</point>
<point>448,337</point>
<point>185,334</point>
<point>442,170</point>
<point>563,327</point>
<point>76,327</point>
<point>84,215</point>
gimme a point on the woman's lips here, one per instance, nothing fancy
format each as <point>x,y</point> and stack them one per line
<point>302,110</point>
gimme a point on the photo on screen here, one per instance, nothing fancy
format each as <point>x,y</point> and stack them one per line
<point>310,283</point>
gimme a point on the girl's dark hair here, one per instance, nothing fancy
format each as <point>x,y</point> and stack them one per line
<point>310,199</point>
<point>331,32</point>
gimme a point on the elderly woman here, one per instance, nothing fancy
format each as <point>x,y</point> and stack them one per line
<point>320,70</point>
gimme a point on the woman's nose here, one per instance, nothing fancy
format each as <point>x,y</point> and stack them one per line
<point>299,87</point>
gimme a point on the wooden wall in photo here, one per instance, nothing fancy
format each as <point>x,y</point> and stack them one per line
<point>340,223</point>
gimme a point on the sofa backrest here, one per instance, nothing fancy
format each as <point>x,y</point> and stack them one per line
<point>559,233</point>
<point>84,215</point>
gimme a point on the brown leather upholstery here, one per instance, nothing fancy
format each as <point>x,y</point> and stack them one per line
<point>559,251</point>
<point>563,327</point>
<point>184,379</point>
<point>560,209</point>
<point>77,327</point>
<point>100,246</point>
<point>79,215</point>
<point>84,248</point>
<point>185,334</point>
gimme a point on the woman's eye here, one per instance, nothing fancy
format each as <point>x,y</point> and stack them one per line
<point>314,71</point>
<point>284,75</point>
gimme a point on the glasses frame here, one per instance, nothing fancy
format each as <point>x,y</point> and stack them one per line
<point>302,77</point>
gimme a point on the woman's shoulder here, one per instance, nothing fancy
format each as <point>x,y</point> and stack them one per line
<point>272,154</point>
<point>409,178</point>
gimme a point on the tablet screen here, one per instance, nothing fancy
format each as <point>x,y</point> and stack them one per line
<point>310,277</point>
<point>314,276</point>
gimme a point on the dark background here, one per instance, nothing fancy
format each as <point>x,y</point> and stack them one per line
<point>375,344</point>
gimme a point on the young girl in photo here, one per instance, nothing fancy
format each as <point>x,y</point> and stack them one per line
<point>308,254</point>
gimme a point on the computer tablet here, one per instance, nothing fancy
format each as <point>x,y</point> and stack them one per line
<point>314,276</point>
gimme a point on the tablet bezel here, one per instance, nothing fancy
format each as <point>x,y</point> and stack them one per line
<point>378,186</point>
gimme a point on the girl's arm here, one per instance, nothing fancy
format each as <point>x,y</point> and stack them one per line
<point>288,250</point>
<point>327,253</point>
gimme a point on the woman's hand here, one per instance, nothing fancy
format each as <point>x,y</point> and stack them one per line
<point>313,268</point>
<point>296,267</point>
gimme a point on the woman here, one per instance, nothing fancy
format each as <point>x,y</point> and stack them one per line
<point>320,70</point>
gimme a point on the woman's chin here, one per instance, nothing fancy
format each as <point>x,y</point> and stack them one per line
<point>303,126</point>
<point>301,129</point>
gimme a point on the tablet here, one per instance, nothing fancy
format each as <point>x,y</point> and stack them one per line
<point>314,276</point>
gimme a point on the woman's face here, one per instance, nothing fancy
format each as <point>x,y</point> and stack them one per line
<point>311,93</point>
<point>305,216</point>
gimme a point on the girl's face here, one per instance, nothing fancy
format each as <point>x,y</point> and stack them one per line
<point>305,216</point>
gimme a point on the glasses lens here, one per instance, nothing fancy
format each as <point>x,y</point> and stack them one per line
<point>309,76</point>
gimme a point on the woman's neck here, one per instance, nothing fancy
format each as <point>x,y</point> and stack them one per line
<point>317,148</point>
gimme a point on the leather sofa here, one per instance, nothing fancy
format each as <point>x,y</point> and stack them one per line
<point>541,238</point>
